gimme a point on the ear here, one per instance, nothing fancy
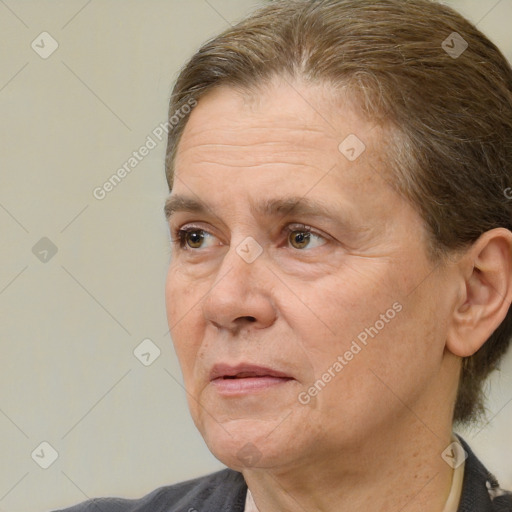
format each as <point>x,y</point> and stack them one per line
<point>485,292</point>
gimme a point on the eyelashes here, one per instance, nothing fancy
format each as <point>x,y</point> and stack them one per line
<point>306,234</point>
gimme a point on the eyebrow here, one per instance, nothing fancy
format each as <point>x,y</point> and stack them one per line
<point>292,205</point>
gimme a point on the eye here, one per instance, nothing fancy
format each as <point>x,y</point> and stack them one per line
<point>191,237</point>
<point>300,236</point>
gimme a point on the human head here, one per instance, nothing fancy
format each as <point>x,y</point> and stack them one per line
<point>448,117</point>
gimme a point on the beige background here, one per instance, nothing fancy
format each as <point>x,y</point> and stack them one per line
<point>69,325</point>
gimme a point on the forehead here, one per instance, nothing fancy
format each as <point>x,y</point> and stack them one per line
<point>309,138</point>
<point>282,124</point>
<point>287,102</point>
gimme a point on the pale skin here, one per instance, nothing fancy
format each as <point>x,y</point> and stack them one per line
<point>372,438</point>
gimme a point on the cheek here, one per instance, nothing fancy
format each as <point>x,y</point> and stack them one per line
<point>336,323</point>
<point>182,302</point>
<point>389,360</point>
<point>347,303</point>
<point>182,296</point>
<point>364,322</point>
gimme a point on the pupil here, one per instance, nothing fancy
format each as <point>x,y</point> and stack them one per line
<point>195,237</point>
<point>301,237</point>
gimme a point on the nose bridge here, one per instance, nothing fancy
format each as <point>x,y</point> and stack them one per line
<point>240,290</point>
<point>242,266</point>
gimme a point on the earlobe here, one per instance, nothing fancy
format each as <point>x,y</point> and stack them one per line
<point>486,292</point>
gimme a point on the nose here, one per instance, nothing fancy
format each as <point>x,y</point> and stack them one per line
<point>241,296</point>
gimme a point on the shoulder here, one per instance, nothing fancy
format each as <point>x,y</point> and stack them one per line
<point>480,489</point>
<point>224,490</point>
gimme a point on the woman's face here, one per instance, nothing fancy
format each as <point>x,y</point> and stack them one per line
<point>302,306</point>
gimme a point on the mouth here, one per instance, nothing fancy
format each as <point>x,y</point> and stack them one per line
<point>245,378</point>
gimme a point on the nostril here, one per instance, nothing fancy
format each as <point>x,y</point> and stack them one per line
<point>242,319</point>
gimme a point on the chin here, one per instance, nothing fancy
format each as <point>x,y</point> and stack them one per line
<point>243,444</point>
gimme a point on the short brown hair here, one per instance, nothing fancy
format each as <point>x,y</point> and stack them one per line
<point>452,114</point>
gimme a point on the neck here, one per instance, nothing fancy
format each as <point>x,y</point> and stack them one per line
<point>400,469</point>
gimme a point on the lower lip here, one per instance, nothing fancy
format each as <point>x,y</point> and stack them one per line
<point>247,385</point>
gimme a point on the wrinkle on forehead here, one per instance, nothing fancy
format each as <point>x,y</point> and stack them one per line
<point>224,131</point>
<point>264,133</point>
<point>232,155</point>
<point>306,107</point>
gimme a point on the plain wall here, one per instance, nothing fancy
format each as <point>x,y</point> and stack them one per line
<point>69,325</point>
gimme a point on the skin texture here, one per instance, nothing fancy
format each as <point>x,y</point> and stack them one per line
<point>372,437</point>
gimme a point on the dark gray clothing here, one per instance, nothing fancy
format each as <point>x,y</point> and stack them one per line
<point>225,491</point>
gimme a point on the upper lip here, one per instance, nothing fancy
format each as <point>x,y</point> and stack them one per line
<point>244,370</point>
